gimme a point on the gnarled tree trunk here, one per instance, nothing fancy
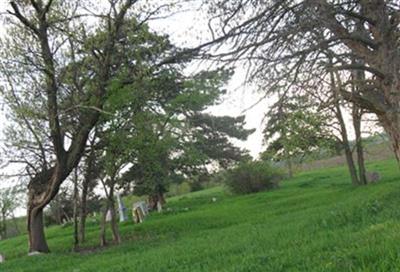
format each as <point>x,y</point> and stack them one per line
<point>37,239</point>
<point>41,190</point>
<point>391,123</point>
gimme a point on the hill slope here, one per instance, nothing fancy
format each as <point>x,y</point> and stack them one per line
<point>315,222</point>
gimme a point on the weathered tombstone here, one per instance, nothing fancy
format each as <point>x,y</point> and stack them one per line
<point>139,211</point>
<point>139,215</point>
<point>159,206</point>
<point>145,207</point>
<point>108,216</point>
<point>121,209</point>
<point>34,253</point>
<point>373,177</point>
<point>2,259</point>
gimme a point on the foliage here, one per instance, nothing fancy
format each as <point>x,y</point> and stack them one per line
<point>61,209</point>
<point>10,199</point>
<point>253,176</point>
<point>295,128</point>
<point>174,140</point>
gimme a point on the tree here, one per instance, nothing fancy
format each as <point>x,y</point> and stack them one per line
<point>175,139</point>
<point>295,128</point>
<point>91,173</point>
<point>282,38</point>
<point>9,201</point>
<point>58,69</point>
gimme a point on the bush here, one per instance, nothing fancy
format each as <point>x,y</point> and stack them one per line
<point>252,177</point>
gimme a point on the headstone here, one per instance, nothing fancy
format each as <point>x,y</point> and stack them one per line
<point>34,253</point>
<point>121,209</point>
<point>138,215</point>
<point>373,177</point>
<point>139,211</point>
<point>145,207</point>
<point>108,216</point>
<point>2,259</point>
<point>159,206</point>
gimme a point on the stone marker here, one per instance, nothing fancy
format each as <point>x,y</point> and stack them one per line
<point>159,206</point>
<point>121,209</point>
<point>34,253</point>
<point>108,216</point>
<point>2,259</point>
<point>139,211</point>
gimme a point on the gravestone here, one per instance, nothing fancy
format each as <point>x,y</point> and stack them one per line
<point>108,216</point>
<point>121,209</point>
<point>139,211</point>
<point>159,206</point>
<point>34,253</point>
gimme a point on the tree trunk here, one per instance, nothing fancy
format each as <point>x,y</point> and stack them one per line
<point>37,239</point>
<point>113,223</point>
<point>3,226</point>
<point>41,190</point>
<point>87,181</point>
<point>103,240</point>
<point>290,167</point>
<point>391,123</point>
<point>155,200</point>
<point>346,146</point>
<point>357,116</point>
<point>82,215</point>
<point>343,132</point>
<point>76,199</point>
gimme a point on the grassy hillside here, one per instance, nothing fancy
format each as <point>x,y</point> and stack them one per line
<point>373,151</point>
<point>315,222</point>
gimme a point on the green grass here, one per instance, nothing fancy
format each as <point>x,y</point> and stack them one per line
<point>315,222</point>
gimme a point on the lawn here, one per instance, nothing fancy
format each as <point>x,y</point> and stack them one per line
<point>315,222</point>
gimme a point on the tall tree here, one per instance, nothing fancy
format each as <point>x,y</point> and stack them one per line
<point>295,128</point>
<point>177,139</point>
<point>287,37</point>
<point>58,69</point>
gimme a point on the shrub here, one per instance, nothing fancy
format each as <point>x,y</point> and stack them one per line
<point>252,177</point>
